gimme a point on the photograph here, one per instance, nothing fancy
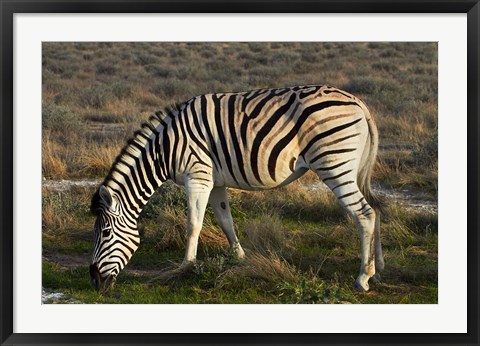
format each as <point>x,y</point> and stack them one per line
<point>239,172</point>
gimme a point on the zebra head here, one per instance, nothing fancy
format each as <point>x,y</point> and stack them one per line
<point>116,239</point>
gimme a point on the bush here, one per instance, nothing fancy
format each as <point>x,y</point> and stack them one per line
<point>371,85</point>
<point>426,154</point>
<point>385,66</point>
<point>258,47</point>
<point>172,89</point>
<point>55,117</point>
<point>285,57</point>
<point>95,97</point>
<point>179,52</point>
<point>158,70</point>
<point>145,59</point>
<point>121,90</point>
<point>265,76</point>
<point>106,67</point>
<point>208,53</point>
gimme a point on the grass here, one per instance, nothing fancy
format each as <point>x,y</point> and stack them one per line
<point>300,246</point>
<point>293,254</point>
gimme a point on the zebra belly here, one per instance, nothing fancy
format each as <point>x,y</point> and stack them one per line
<point>269,185</point>
<point>294,176</point>
<point>284,175</point>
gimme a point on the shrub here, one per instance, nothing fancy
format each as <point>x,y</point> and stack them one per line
<point>257,47</point>
<point>179,52</point>
<point>95,97</point>
<point>172,89</point>
<point>385,66</point>
<point>265,76</point>
<point>208,53</point>
<point>106,67</point>
<point>286,57</point>
<point>145,58</point>
<point>426,154</point>
<point>63,68</point>
<point>55,117</point>
<point>276,45</point>
<point>121,90</point>
<point>103,118</point>
<point>158,70</point>
<point>371,85</point>
<point>310,57</point>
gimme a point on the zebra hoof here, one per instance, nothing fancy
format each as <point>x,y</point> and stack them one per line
<point>361,284</point>
<point>377,278</point>
<point>186,266</point>
<point>238,253</point>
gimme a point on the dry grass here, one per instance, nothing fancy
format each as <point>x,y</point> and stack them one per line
<point>97,161</point>
<point>52,216</point>
<point>266,267</point>
<point>172,228</point>
<point>266,234</point>
<point>67,210</point>
<point>53,166</point>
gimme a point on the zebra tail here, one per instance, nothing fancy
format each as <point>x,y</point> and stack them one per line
<point>368,163</point>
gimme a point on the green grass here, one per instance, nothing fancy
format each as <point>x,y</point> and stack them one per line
<point>293,255</point>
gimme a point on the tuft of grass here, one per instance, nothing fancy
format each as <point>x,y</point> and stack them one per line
<point>54,215</point>
<point>269,268</point>
<point>53,166</point>
<point>171,223</point>
<point>266,234</point>
<point>98,162</point>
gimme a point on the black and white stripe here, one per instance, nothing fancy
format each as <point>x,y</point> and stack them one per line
<point>252,140</point>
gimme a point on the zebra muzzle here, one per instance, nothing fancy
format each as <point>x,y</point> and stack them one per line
<point>95,277</point>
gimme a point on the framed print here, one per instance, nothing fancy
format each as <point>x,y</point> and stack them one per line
<point>239,173</point>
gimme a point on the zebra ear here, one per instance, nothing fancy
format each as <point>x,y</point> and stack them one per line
<point>105,195</point>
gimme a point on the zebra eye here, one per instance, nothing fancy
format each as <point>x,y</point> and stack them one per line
<point>106,232</point>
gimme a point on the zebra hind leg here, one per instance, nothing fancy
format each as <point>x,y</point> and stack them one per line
<point>345,188</point>
<point>379,260</point>
<point>221,208</point>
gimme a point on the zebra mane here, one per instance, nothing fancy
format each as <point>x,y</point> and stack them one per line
<point>138,138</point>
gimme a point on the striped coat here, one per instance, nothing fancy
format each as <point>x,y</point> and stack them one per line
<point>254,140</point>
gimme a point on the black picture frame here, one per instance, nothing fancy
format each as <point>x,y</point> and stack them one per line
<point>10,7</point>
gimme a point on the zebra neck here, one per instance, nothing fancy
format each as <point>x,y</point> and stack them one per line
<point>143,165</point>
<point>136,175</point>
<point>132,200</point>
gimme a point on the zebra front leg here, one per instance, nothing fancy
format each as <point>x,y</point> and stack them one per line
<point>197,199</point>
<point>221,207</point>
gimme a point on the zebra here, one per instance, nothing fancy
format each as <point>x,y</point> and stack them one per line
<point>254,140</point>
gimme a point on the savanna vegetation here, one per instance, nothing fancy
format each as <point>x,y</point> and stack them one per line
<point>301,247</point>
